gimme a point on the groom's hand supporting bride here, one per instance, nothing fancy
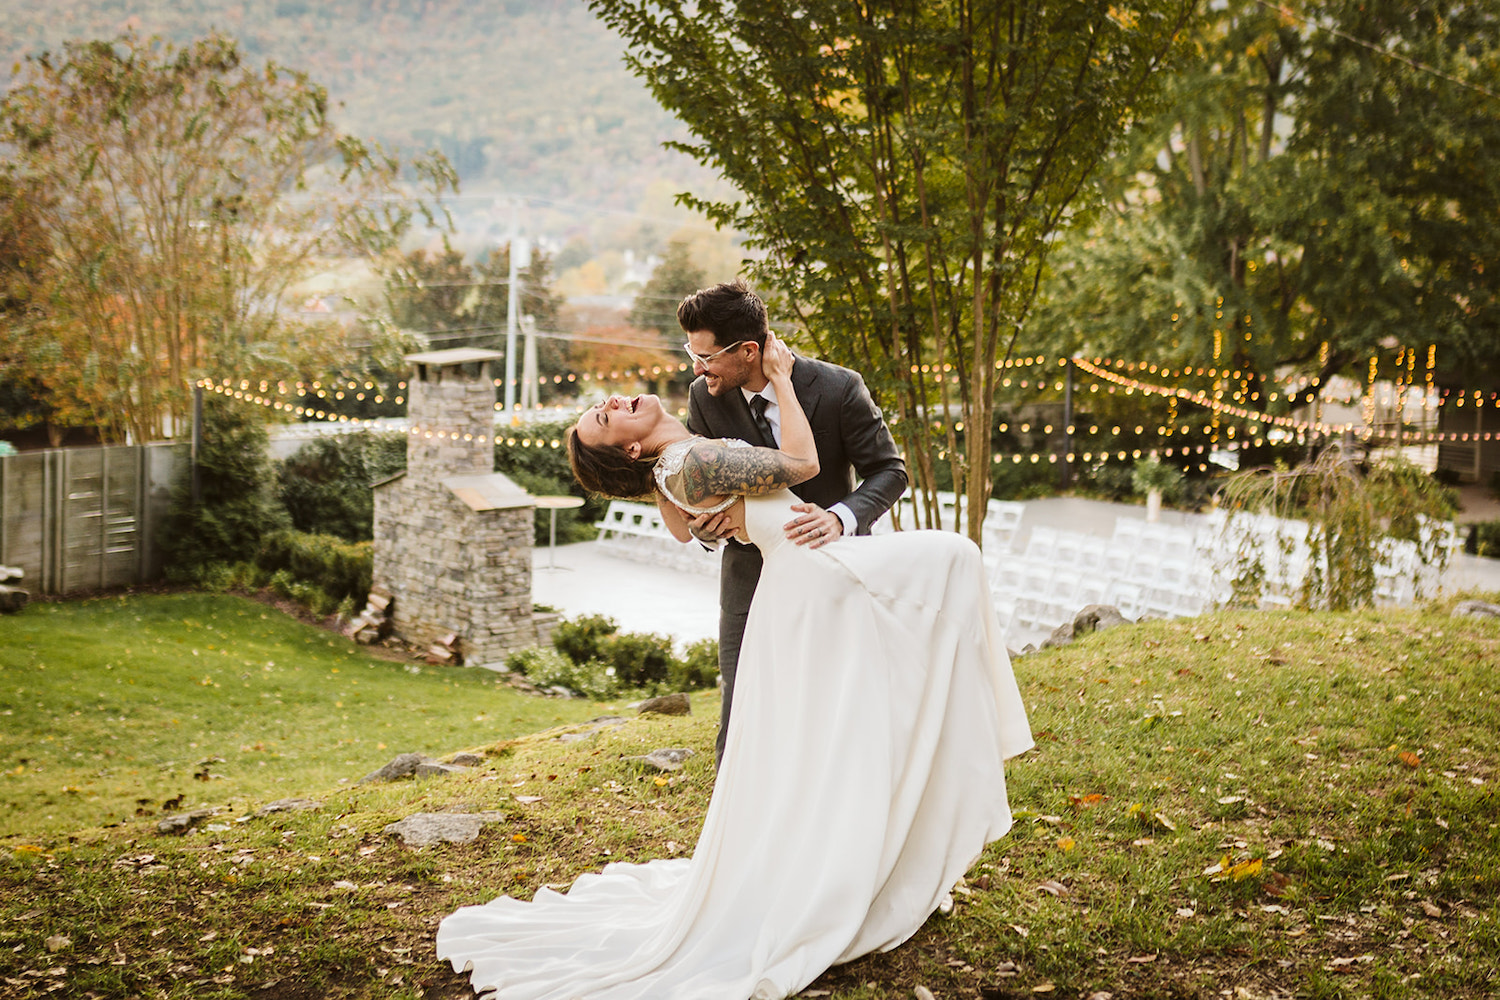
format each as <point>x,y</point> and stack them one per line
<point>813,526</point>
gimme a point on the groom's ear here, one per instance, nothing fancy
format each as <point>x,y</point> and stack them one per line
<point>633,449</point>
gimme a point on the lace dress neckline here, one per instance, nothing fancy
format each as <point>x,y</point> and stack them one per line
<point>670,463</point>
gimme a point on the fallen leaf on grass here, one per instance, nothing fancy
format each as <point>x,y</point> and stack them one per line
<point>923,993</point>
<point>1066,844</point>
<point>1430,908</point>
<point>1230,869</point>
<point>1164,821</point>
<point>527,800</point>
<point>1141,959</point>
<point>1085,801</point>
<point>1347,964</point>
<point>1043,988</point>
<point>1053,887</point>
<point>1101,995</point>
<point>1185,912</point>
<point>1409,759</point>
<point>58,942</point>
<point>1020,930</point>
<point>1229,800</point>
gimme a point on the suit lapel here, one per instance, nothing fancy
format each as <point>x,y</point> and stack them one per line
<point>805,382</point>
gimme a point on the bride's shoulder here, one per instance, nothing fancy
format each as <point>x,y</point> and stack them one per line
<point>675,456</point>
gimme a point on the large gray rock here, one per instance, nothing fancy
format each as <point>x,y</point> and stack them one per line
<point>466,759</point>
<point>1091,618</point>
<point>401,766</point>
<point>1480,609</point>
<point>1097,618</point>
<point>423,829</point>
<point>436,769</point>
<point>667,704</point>
<point>181,823</point>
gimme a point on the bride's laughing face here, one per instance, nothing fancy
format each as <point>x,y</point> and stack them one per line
<point>623,421</point>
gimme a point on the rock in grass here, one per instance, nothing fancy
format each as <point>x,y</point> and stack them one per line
<point>466,759</point>
<point>436,769</point>
<point>181,823</point>
<point>401,766</point>
<point>667,704</point>
<point>422,829</point>
<point>1097,618</point>
<point>288,805</point>
<point>666,758</point>
<point>1481,609</point>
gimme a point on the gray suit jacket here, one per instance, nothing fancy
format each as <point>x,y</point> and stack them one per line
<point>851,437</point>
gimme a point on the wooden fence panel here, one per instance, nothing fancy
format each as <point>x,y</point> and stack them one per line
<point>86,518</point>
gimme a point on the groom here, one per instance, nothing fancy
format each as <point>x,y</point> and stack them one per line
<point>726,328</point>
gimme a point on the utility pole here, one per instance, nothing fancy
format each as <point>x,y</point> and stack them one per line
<point>511,313</point>
<point>530,398</point>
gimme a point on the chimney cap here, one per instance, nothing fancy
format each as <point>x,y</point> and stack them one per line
<point>453,356</point>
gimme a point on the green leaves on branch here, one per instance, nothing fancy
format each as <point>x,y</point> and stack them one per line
<point>904,166</point>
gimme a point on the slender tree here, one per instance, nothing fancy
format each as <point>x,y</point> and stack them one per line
<point>905,166</point>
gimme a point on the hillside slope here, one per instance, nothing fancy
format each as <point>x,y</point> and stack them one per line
<point>524,96</point>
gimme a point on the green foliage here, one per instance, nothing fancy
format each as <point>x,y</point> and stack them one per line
<point>675,278</point>
<point>1334,526</point>
<point>640,659</point>
<point>325,486</point>
<point>591,656</point>
<point>1486,539</point>
<point>547,668</point>
<point>340,569</point>
<point>1151,474</point>
<point>1305,202</point>
<point>699,667</point>
<point>237,507</point>
<point>582,639</point>
<point>1023,480</point>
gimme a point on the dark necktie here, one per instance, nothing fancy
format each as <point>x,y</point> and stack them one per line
<point>758,406</point>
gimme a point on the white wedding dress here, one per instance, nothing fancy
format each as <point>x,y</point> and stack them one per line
<point>863,775</point>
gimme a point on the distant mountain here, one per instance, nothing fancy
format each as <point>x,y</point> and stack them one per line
<point>524,96</point>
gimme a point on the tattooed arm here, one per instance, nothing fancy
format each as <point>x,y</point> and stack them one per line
<point>714,470</point>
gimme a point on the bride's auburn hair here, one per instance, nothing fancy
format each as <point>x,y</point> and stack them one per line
<point>608,470</point>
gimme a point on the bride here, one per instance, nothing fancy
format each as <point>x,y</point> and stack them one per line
<point>863,772</point>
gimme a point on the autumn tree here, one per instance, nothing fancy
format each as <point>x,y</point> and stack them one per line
<point>905,167</point>
<point>182,193</point>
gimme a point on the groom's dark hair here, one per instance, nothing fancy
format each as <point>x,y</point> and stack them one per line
<point>729,310</point>
<point>606,469</point>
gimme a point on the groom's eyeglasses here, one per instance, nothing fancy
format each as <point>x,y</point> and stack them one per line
<point>704,359</point>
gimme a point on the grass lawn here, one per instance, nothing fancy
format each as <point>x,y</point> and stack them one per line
<point>130,706</point>
<point>1239,805</point>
